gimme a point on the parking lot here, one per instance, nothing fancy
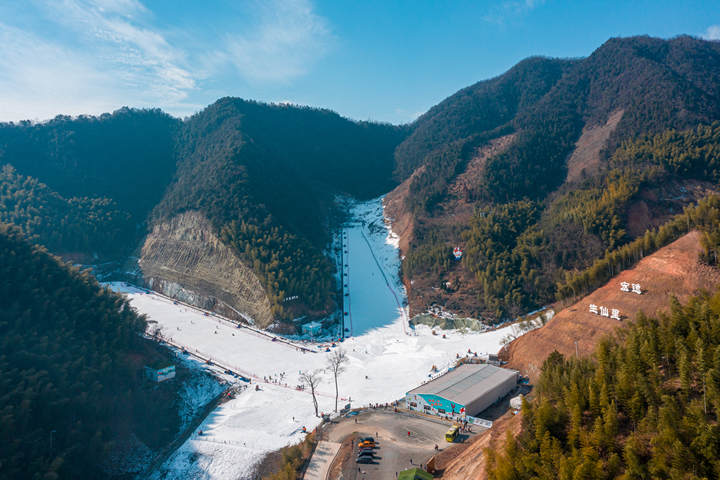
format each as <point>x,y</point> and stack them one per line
<point>395,450</point>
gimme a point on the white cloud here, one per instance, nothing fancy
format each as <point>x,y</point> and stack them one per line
<point>142,55</point>
<point>407,116</point>
<point>39,79</point>
<point>287,40</point>
<point>712,33</point>
<point>93,56</point>
<point>499,14</point>
<point>106,56</point>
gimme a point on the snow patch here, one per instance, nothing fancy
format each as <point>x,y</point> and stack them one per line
<point>199,389</point>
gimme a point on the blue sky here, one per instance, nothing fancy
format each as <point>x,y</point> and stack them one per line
<point>369,60</point>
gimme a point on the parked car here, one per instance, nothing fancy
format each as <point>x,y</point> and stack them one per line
<point>367,439</point>
<point>364,460</point>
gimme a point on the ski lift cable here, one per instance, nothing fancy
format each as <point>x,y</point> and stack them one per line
<point>387,283</point>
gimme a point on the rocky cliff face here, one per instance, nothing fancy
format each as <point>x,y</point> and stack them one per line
<point>184,259</point>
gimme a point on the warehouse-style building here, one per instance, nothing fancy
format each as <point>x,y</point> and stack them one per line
<point>464,391</point>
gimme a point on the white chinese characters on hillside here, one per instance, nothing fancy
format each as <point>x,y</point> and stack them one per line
<point>613,313</point>
<point>634,287</point>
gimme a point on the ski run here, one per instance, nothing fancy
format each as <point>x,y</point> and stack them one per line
<point>386,359</point>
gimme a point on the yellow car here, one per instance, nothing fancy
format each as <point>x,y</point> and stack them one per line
<point>452,434</point>
<point>366,444</point>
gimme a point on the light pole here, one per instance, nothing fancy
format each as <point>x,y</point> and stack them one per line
<point>52,433</point>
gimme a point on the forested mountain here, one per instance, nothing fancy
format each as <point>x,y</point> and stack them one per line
<point>85,185</point>
<point>265,176</point>
<point>76,224</point>
<point>127,156</point>
<point>535,173</point>
<point>71,357</point>
<point>237,156</point>
<point>477,109</point>
<point>659,84</point>
<point>533,186</point>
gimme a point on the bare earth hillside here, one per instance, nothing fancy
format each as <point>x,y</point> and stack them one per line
<point>396,209</point>
<point>585,159</point>
<point>672,271</point>
<point>465,461</point>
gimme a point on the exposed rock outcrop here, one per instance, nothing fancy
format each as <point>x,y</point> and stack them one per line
<point>183,258</point>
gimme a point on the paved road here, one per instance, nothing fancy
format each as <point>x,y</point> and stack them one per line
<point>396,449</point>
<point>321,460</point>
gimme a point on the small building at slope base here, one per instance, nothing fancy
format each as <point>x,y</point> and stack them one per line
<point>160,373</point>
<point>463,392</point>
<point>312,328</point>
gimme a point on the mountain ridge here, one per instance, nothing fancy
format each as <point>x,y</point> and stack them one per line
<point>654,86</point>
<point>266,175</point>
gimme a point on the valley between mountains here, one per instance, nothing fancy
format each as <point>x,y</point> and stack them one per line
<point>246,246</point>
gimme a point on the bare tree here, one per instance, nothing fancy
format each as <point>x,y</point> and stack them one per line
<point>312,380</point>
<point>336,365</point>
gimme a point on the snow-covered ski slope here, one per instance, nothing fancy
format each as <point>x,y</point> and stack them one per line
<point>375,291</point>
<point>384,360</point>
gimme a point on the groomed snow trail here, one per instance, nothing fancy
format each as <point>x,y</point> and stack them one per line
<point>384,361</point>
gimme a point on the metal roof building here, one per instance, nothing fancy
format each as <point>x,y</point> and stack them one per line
<point>467,390</point>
